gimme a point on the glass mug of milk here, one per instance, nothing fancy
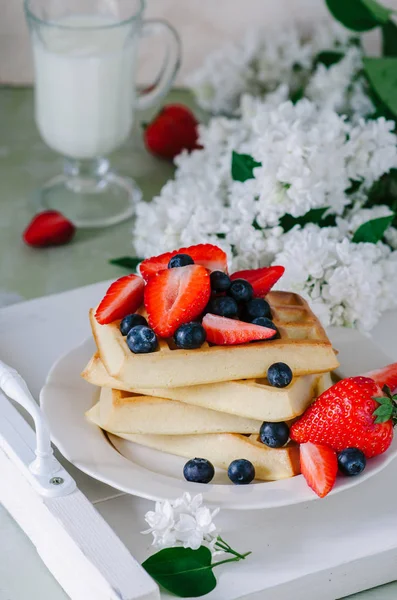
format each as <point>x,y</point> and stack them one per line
<point>85,97</point>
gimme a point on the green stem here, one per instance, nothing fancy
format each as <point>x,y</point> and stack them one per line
<point>222,545</point>
<point>228,560</point>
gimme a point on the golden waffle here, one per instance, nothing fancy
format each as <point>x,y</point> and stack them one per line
<point>124,412</point>
<point>303,345</point>
<point>254,398</point>
<point>222,448</point>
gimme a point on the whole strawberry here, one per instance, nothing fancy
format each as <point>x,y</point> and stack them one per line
<point>352,413</point>
<point>174,129</point>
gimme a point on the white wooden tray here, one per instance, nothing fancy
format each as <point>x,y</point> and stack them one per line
<point>323,549</point>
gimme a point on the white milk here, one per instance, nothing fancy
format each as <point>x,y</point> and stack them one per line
<point>85,91</point>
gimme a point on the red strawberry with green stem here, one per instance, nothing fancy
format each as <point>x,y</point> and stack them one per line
<point>123,297</point>
<point>174,129</point>
<point>176,296</point>
<point>209,256</point>
<point>228,332</point>
<point>352,413</point>
<point>262,280</point>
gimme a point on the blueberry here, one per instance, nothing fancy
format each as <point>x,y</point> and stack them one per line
<point>255,308</point>
<point>279,375</point>
<point>180,260</point>
<point>241,471</point>
<point>265,322</point>
<point>220,282</point>
<point>130,321</point>
<point>223,306</point>
<point>351,461</point>
<point>241,290</point>
<point>199,470</point>
<point>274,435</point>
<point>190,336</point>
<point>141,339</point>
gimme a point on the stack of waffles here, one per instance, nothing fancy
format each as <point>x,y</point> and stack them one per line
<point>211,402</point>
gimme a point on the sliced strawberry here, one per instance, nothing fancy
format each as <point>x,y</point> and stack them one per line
<point>176,296</point>
<point>49,228</point>
<point>123,297</point>
<point>319,466</point>
<point>262,280</point>
<point>386,376</point>
<point>152,266</point>
<point>209,256</point>
<point>224,331</point>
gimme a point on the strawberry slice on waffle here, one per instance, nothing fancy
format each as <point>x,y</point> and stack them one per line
<point>228,332</point>
<point>176,296</point>
<point>207,255</point>
<point>123,297</point>
<point>262,280</point>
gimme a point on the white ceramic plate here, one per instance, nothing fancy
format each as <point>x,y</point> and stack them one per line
<point>155,475</point>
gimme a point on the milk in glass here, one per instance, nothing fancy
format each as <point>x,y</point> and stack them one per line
<point>85,93</point>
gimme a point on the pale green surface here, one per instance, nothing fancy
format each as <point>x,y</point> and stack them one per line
<point>25,163</point>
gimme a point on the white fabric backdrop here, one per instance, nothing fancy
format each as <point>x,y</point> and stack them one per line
<point>202,24</point>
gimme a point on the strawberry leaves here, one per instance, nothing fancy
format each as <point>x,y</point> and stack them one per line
<point>387,408</point>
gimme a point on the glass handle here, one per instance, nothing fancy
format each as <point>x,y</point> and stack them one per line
<point>170,66</point>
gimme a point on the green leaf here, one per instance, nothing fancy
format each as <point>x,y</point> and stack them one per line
<point>389,39</point>
<point>372,231</point>
<point>182,571</point>
<point>382,75</point>
<point>382,400</point>
<point>315,215</point>
<point>243,166</point>
<point>359,15</point>
<point>383,413</point>
<point>127,262</point>
<point>384,191</point>
<point>328,58</point>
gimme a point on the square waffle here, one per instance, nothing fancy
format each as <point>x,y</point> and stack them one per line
<point>222,448</point>
<point>124,412</point>
<point>251,398</point>
<point>303,345</point>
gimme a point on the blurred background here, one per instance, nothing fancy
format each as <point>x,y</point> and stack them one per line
<point>202,24</point>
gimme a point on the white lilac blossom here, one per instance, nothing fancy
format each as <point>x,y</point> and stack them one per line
<point>185,522</point>
<point>347,284</point>
<point>341,87</point>
<point>263,60</point>
<point>309,156</point>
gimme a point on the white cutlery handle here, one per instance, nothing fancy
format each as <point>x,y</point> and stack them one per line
<point>15,387</point>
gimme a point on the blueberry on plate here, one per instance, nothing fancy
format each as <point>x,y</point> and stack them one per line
<point>241,290</point>
<point>265,322</point>
<point>274,435</point>
<point>190,336</point>
<point>279,375</point>
<point>180,260</point>
<point>220,282</point>
<point>224,306</point>
<point>241,471</point>
<point>131,321</point>
<point>141,339</point>
<point>255,308</point>
<point>351,461</point>
<point>198,470</point>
